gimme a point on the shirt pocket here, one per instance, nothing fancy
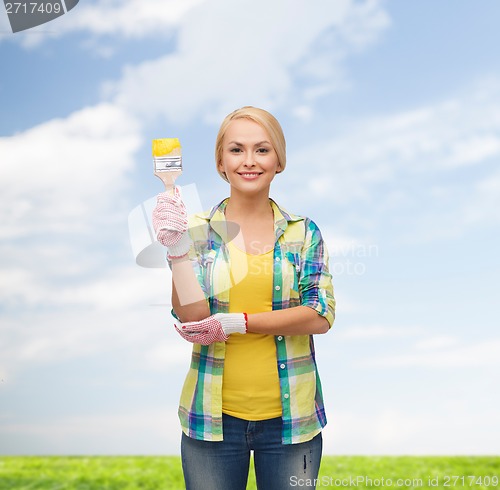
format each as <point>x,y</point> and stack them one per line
<point>207,261</point>
<point>292,273</point>
<point>217,273</point>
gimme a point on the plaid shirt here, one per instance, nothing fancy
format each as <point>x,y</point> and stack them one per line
<point>301,277</point>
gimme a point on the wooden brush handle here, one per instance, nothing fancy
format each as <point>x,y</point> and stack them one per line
<point>168,178</point>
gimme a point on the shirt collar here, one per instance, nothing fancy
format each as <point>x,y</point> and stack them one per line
<point>217,220</point>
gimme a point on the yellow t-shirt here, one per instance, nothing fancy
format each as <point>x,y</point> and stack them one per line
<point>250,386</point>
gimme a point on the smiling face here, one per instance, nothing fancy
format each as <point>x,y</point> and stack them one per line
<point>248,158</point>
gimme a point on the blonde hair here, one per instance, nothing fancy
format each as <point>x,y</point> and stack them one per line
<point>264,119</point>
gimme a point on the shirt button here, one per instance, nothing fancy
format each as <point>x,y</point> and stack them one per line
<point>297,267</point>
<point>280,337</point>
<point>277,288</point>
<point>277,259</point>
<point>282,366</point>
<point>286,395</point>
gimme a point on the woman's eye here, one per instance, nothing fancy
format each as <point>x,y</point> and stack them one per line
<point>262,150</point>
<point>235,150</point>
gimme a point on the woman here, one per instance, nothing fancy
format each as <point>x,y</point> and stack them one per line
<point>250,288</point>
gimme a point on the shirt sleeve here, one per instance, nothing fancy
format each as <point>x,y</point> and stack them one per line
<point>315,281</point>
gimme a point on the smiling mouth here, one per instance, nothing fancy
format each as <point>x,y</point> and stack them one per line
<point>249,174</point>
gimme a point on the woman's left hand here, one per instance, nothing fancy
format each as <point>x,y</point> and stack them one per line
<point>215,328</point>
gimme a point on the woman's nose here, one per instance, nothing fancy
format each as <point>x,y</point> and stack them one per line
<point>249,160</point>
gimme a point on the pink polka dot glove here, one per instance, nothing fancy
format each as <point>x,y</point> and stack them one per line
<point>170,223</point>
<point>215,328</point>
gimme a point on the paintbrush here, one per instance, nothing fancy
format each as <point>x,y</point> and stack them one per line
<point>167,161</point>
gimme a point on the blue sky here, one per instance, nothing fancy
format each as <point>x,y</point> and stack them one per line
<point>391,111</point>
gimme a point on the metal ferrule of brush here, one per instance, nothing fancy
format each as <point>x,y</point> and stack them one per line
<point>167,163</point>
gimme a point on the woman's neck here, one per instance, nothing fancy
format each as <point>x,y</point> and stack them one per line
<point>255,219</point>
<point>243,207</point>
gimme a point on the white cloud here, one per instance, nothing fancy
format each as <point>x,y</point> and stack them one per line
<point>474,149</point>
<point>147,431</point>
<point>303,112</point>
<point>378,150</point>
<point>128,287</point>
<point>132,19</point>
<point>437,342</point>
<point>60,173</point>
<point>146,332</point>
<point>345,304</point>
<point>129,18</point>
<point>62,198</point>
<point>64,286</point>
<point>249,53</point>
<point>163,355</point>
<point>434,353</point>
<point>125,287</point>
<point>4,25</point>
<point>416,168</point>
<point>484,201</point>
<point>342,246</point>
<point>378,331</point>
<point>430,432</point>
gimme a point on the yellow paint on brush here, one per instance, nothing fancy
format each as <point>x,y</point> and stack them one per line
<point>166,146</point>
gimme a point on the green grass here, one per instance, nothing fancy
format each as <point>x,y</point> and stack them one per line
<point>164,473</point>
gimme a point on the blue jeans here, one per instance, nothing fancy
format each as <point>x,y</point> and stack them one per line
<point>224,465</point>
